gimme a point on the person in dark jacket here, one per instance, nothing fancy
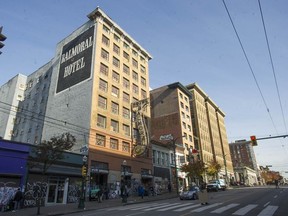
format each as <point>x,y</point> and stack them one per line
<point>17,199</point>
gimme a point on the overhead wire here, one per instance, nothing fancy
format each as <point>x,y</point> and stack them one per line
<point>249,64</point>
<point>272,64</point>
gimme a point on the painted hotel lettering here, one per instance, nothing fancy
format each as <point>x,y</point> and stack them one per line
<point>80,63</point>
<point>76,60</point>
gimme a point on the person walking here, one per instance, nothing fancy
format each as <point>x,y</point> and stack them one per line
<point>203,194</point>
<point>169,187</point>
<point>17,199</point>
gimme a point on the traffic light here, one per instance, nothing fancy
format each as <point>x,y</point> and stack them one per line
<point>253,140</point>
<point>2,38</point>
<point>84,170</point>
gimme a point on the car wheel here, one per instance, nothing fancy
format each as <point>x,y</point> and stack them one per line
<point>194,197</point>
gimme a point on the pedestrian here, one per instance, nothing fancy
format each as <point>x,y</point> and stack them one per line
<point>277,183</point>
<point>100,195</point>
<point>169,187</point>
<point>203,195</point>
<point>17,199</point>
<point>141,191</point>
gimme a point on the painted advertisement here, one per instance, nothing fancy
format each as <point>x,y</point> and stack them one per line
<point>76,60</point>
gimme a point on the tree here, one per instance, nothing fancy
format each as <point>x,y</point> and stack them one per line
<point>213,168</point>
<point>47,153</point>
<point>194,170</point>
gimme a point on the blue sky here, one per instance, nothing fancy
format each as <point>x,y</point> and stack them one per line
<point>190,41</point>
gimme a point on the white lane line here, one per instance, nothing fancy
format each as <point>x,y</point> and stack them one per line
<point>268,211</point>
<point>173,207</point>
<point>206,207</point>
<point>224,208</point>
<point>187,207</point>
<point>145,206</point>
<point>266,204</point>
<point>162,206</point>
<point>245,209</point>
<point>275,196</point>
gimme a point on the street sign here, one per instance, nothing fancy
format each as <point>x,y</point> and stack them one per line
<point>84,149</point>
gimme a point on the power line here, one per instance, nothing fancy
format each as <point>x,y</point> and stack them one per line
<point>248,62</point>
<point>272,65</point>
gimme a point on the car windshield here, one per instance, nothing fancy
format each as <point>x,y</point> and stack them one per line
<point>212,181</point>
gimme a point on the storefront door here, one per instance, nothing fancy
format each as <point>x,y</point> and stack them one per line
<point>56,191</point>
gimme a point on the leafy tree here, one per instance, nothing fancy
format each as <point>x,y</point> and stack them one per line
<point>213,168</point>
<point>194,170</point>
<point>46,154</point>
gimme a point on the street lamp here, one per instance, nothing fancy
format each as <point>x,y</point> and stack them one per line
<point>124,188</point>
<point>84,173</point>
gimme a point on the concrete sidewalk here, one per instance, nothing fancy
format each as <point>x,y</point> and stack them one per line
<point>67,209</point>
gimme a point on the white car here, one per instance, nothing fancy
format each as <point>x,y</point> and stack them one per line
<point>192,193</point>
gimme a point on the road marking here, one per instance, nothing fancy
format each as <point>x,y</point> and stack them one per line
<point>266,204</point>
<point>275,196</point>
<point>145,206</point>
<point>206,207</point>
<point>162,206</point>
<point>172,207</point>
<point>224,208</point>
<point>245,209</point>
<point>268,211</point>
<point>186,208</point>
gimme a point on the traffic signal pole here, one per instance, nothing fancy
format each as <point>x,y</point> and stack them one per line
<point>272,137</point>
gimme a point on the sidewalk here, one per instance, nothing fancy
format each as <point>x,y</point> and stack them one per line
<point>67,209</point>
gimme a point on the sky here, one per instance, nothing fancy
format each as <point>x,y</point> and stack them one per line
<point>190,41</point>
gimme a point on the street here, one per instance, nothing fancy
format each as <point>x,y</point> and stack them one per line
<point>251,201</point>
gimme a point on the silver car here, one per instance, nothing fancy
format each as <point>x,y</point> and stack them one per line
<point>192,193</point>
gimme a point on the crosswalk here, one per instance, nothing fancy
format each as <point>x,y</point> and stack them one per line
<point>213,208</point>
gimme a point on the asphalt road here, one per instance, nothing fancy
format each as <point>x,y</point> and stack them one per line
<point>253,201</point>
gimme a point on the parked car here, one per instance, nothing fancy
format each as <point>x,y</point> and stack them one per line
<point>215,185</point>
<point>191,193</point>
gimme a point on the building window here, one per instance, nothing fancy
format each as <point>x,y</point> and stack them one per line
<point>103,85</point>
<point>143,69</point>
<point>115,76</point>
<point>126,83</point>
<point>114,126</point>
<point>116,38</point>
<point>105,54</point>
<point>143,81</point>
<point>135,89</point>
<point>100,140</point>
<point>126,69</point>
<point>126,97</point>
<point>115,91</point>
<point>106,29</point>
<point>135,76</point>
<point>116,62</point>
<point>182,105</point>
<point>116,49</point>
<point>134,52</point>
<point>154,156</point>
<point>126,113</point>
<point>105,40</point>
<point>126,130</point>
<point>113,144</point>
<point>143,94</point>
<point>158,157</point>
<point>102,102</point>
<point>125,147</point>
<point>104,69</point>
<point>115,108</point>
<point>126,56</point>
<point>134,63</point>
<point>101,121</point>
<point>126,46</point>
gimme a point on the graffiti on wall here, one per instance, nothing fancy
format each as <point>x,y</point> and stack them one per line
<point>7,193</point>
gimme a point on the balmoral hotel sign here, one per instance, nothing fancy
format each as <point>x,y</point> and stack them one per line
<point>75,60</point>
